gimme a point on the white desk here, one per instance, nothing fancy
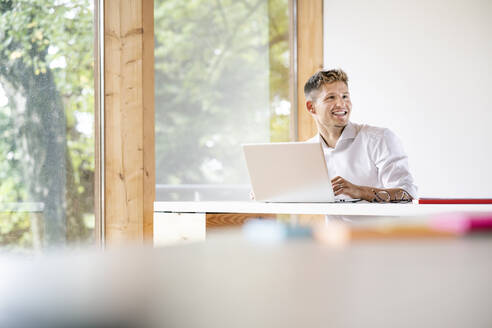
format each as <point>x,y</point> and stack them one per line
<point>373,209</point>
<point>175,222</point>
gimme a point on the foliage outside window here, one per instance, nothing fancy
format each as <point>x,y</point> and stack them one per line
<point>46,122</point>
<point>222,79</point>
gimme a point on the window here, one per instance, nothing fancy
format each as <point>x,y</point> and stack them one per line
<point>46,123</point>
<point>222,79</point>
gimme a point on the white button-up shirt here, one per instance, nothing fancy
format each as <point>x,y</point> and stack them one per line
<point>369,156</point>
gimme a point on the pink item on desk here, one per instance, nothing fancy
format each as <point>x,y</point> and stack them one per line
<point>462,223</point>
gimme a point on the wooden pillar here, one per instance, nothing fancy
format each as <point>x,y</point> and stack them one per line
<point>129,121</point>
<point>309,58</point>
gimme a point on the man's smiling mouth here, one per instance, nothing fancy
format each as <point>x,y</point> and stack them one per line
<point>339,113</point>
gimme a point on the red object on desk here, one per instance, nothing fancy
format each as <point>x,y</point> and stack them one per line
<point>455,200</point>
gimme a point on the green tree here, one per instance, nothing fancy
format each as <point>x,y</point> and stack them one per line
<point>220,68</point>
<point>46,73</point>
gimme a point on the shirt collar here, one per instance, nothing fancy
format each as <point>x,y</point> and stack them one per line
<point>348,133</point>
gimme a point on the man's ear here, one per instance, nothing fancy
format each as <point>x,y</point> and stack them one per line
<point>310,107</point>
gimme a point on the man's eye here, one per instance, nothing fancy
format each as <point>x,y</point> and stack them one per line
<point>331,97</point>
<point>345,96</point>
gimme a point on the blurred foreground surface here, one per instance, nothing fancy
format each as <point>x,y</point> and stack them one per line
<point>231,282</point>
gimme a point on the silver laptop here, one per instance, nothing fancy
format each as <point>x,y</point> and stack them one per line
<point>289,172</point>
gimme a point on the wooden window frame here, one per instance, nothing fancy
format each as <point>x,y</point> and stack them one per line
<point>125,164</point>
<point>309,58</point>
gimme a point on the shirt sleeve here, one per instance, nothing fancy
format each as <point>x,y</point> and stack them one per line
<point>392,164</point>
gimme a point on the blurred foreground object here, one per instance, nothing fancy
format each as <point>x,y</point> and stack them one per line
<point>230,281</point>
<point>339,233</point>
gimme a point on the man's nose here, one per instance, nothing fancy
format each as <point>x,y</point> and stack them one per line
<point>340,102</point>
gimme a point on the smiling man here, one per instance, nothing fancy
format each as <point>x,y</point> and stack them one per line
<point>363,161</point>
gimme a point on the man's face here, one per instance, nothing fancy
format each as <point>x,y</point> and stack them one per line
<point>331,105</point>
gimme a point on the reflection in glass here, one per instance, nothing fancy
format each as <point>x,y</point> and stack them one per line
<point>46,123</point>
<point>222,79</point>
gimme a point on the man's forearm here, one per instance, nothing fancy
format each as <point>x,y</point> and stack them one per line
<point>378,195</point>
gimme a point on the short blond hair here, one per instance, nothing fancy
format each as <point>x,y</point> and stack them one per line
<point>323,77</point>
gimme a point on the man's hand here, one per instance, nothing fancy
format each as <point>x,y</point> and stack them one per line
<point>342,186</point>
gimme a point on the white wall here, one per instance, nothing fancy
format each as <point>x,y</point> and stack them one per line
<point>423,68</point>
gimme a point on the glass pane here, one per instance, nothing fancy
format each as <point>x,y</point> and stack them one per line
<point>46,123</point>
<point>222,79</point>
